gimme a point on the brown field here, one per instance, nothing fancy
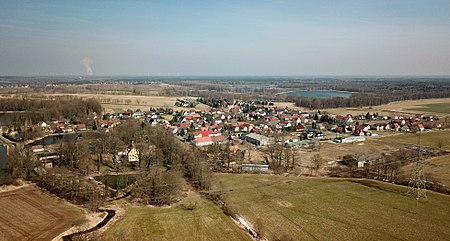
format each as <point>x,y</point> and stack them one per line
<point>439,139</point>
<point>134,102</point>
<point>332,151</point>
<point>289,105</point>
<point>405,107</point>
<point>437,169</point>
<point>31,214</point>
<point>328,151</point>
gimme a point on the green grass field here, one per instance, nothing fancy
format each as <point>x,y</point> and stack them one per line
<point>334,209</point>
<point>434,139</point>
<point>205,222</point>
<point>435,108</point>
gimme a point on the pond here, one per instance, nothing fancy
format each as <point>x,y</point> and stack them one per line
<point>321,94</point>
<point>55,139</point>
<point>117,181</point>
<point>3,156</point>
<point>3,163</point>
<point>5,118</point>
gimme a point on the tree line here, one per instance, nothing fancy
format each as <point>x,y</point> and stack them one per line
<point>33,110</point>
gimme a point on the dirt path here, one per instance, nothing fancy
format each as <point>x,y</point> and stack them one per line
<point>109,216</point>
<point>8,188</point>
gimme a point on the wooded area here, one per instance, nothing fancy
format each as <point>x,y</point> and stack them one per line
<point>35,110</point>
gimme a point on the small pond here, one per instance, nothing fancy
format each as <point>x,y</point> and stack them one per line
<point>117,181</point>
<point>50,140</point>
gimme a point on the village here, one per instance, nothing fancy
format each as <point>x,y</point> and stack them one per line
<point>275,120</point>
<point>240,126</point>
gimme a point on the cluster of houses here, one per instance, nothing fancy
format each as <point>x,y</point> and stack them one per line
<point>260,121</point>
<point>48,127</point>
<point>363,125</point>
<point>254,123</point>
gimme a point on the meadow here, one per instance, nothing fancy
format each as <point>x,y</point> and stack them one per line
<point>194,218</point>
<point>296,208</point>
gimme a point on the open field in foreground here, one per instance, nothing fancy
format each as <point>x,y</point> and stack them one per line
<point>31,214</point>
<point>205,222</point>
<point>334,209</point>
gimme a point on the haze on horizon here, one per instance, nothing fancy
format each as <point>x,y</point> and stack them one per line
<point>264,37</point>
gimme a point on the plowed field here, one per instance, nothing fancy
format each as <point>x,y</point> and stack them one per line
<point>31,214</point>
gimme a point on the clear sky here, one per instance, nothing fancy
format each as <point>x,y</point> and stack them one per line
<point>261,37</point>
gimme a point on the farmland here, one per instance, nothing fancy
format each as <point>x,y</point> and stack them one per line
<point>205,222</point>
<point>118,103</point>
<point>435,108</point>
<point>430,106</point>
<point>334,209</point>
<point>437,169</point>
<point>30,214</point>
<point>436,139</point>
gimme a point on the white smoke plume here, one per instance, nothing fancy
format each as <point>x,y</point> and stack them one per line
<point>86,62</point>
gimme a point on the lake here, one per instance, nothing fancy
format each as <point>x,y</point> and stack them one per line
<point>321,94</point>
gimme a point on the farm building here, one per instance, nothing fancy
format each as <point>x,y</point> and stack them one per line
<point>38,148</point>
<point>255,168</point>
<point>257,139</point>
<point>353,139</point>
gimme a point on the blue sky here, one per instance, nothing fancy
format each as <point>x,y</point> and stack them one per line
<point>265,37</point>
